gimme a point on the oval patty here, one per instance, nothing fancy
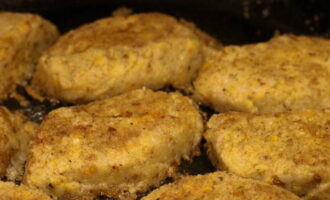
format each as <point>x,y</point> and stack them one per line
<point>290,150</point>
<point>114,55</point>
<point>119,146</point>
<point>286,73</point>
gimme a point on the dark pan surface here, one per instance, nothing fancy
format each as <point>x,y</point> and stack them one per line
<point>232,22</point>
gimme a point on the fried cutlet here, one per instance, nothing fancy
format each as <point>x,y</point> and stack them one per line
<point>119,146</point>
<point>288,149</point>
<point>114,55</point>
<point>286,73</point>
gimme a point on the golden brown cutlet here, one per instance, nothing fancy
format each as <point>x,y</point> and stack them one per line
<point>290,149</point>
<point>119,146</point>
<point>286,73</point>
<point>114,55</point>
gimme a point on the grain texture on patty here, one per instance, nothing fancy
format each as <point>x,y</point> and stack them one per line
<point>119,146</point>
<point>22,39</point>
<point>114,55</point>
<point>219,186</point>
<point>290,149</point>
<point>286,73</point>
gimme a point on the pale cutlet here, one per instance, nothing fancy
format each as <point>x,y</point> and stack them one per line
<point>119,146</point>
<point>23,37</point>
<point>286,73</point>
<point>10,191</point>
<point>289,149</point>
<point>117,54</point>
<point>219,186</point>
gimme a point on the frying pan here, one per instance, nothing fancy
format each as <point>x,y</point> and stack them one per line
<point>230,21</point>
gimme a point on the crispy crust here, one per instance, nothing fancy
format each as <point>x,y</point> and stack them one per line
<point>290,150</point>
<point>286,73</point>
<point>219,185</point>
<point>22,39</point>
<point>10,191</point>
<point>119,146</point>
<point>118,54</point>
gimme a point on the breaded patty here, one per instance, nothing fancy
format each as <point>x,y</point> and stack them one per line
<point>119,146</point>
<point>114,55</point>
<point>22,39</point>
<point>286,73</point>
<point>290,149</point>
<point>10,191</point>
<point>15,133</point>
<point>219,186</point>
